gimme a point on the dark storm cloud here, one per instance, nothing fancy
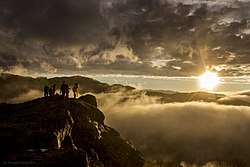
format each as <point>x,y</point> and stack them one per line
<point>55,35</point>
<point>52,19</point>
<point>187,33</point>
<point>49,31</point>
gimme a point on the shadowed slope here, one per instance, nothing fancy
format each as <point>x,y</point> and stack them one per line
<point>56,132</point>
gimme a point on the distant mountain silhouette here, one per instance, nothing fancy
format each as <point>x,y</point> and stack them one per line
<point>85,84</point>
<point>170,97</point>
<point>186,97</point>
<point>119,88</point>
<point>233,101</point>
<point>12,86</point>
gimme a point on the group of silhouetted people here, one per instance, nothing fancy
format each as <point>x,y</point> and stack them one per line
<point>64,90</point>
<point>49,91</point>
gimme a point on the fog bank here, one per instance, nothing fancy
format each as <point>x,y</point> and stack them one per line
<point>192,131</point>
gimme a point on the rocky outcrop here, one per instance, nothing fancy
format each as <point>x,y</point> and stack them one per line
<point>56,131</point>
<point>89,99</point>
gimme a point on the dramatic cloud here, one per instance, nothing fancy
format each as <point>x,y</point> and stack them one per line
<point>192,132</point>
<point>18,70</point>
<point>48,68</point>
<point>148,37</point>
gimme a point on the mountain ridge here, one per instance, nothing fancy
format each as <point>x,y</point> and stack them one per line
<point>14,86</point>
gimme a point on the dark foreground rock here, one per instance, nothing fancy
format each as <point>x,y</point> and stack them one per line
<point>69,132</point>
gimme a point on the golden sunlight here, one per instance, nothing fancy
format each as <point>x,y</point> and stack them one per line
<point>209,80</point>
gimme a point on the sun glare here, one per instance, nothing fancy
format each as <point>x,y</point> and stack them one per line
<point>209,80</point>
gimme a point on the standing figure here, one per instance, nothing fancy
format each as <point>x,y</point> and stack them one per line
<point>54,89</point>
<point>63,89</point>
<point>50,91</point>
<point>67,88</point>
<point>75,90</point>
<point>46,90</point>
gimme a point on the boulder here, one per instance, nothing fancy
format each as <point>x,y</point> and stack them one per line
<point>89,99</point>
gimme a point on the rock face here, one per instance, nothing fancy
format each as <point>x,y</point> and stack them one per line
<point>64,132</point>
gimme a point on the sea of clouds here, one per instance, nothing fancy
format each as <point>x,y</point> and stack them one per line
<point>195,132</point>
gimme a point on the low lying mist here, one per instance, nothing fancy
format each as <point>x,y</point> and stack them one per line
<point>192,131</point>
<point>30,95</point>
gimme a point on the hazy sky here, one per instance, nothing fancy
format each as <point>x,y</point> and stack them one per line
<point>139,37</point>
<point>227,85</point>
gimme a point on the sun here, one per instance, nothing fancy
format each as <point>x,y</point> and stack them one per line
<point>209,80</point>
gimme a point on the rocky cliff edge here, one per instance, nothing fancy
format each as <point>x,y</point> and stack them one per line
<point>62,132</point>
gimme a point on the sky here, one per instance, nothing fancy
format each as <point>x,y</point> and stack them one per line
<point>173,38</point>
<point>226,85</point>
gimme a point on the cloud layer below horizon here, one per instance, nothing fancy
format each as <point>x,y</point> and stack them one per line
<point>195,132</point>
<point>146,37</point>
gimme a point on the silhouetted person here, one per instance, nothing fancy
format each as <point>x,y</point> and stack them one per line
<point>67,90</point>
<point>63,89</point>
<point>46,90</point>
<point>54,89</point>
<point>75,90</point>
<point>50,92</point>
